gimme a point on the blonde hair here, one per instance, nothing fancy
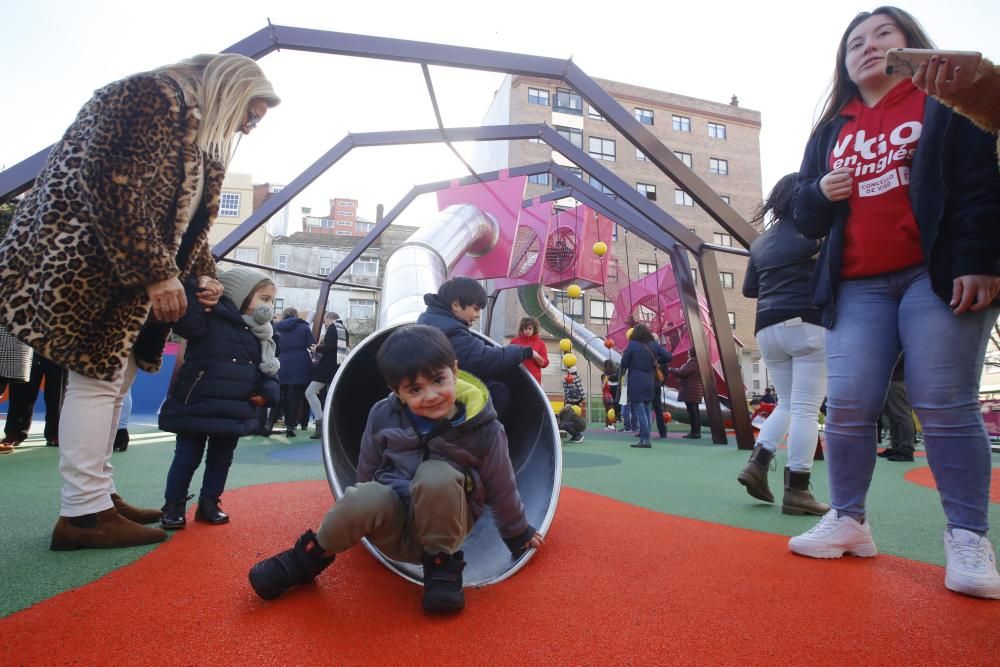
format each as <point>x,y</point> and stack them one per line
<point>225,85</point>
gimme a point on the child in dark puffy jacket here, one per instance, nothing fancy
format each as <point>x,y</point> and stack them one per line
<point>432,454</point>
<point>229,371</point>
<point>454,309</point>
<point>571,423</point>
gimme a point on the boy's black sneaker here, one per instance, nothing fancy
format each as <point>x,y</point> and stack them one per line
<point>299,565</point>
<point>899,456</point>
<point>443,583</point>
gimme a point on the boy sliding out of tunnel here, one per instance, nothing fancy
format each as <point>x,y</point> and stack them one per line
<point>433,456</point>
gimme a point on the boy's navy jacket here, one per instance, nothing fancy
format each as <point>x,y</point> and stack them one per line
<point>473,353</point>
<point>391,451</point>
<point>296,361</point>
<point>221,369</point>
<point>954,194</point>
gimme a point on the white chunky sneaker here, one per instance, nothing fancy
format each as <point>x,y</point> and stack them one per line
<point>833,537</point>
<point>972,565</point>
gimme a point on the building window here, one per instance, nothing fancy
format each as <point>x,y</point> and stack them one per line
<point>345,222</point>
<point>647,190</point>
<point>538,96</point>
<point>246,255</point>
<point>601,311</point>
<point>726,279</point>
<point>327,222</point>
<point>732,320</point>
<point>572,307</point>
<point>364,226</point>
<point>756,385</point>
<point>722,239</point>
<point>229,204</point>
<point>717,130</point>
<point>325,265</point>
<point>568,102</point>
<point>283,262</point>
<point>601,186</point>
<point>756,368</point>
<point>593,114</point>
<point>344,232</point>
<point>602,149</point>
<point>614,232</point>
<point>645,268</point>
<point>361,309</point>
<point>539,179</point>
<point>576,171</point>
<point>724,198</point>
<point>644,116</point>
<point>365,266</point>
<point>572,135</point>
<point>682,198</point>
<point>640,156</point>
<point>279,305</point>
<point>681,124</point>
<point>685,158</point>
<point>694,276</point>
<point>717,166</point>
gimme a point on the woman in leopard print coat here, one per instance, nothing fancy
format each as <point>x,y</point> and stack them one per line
<point>93,266</point>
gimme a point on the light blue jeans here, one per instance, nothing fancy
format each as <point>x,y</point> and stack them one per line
<point>793,352</point>
<point>641,412</point>
<point>876,319</point>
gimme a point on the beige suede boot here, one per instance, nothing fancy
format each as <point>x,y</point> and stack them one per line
<point>798,499</point>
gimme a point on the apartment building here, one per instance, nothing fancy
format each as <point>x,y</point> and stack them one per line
<point>236,202</point>
<point>719,141</point>
<point>343,220</point>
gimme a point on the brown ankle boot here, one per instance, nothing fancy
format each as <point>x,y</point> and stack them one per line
<point>135,513</point>
<point>798,499</point>
<point>754,474</point>
<point>103,530</point>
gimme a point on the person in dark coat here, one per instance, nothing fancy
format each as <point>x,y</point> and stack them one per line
<point>337,339</point>
<point>229,369</point>
<point>691,392</point>
<point>296,365</point>
<point>640,359</point>
<point>454,309</point>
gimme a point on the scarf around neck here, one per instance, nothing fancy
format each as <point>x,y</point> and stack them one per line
<point>269,364</point>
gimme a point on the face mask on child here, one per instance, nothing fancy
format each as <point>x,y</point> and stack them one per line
<point>263,314</point>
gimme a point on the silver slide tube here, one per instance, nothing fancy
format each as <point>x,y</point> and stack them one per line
<point>417,267</point>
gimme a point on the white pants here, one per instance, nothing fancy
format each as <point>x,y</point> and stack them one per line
<point>87,428</point>
<point>795,357</point>
<point>312,397</point>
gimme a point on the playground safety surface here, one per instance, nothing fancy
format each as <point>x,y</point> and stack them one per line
<point>655,557</point>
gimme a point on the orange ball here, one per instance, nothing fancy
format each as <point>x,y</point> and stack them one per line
<point>608,343</point>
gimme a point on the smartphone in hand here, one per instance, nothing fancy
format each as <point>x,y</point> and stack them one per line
<point>906,61</point>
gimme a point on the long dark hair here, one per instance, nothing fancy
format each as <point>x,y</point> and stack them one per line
<point>842,89</point>
<point>780,203</point>
<point>641,334</point>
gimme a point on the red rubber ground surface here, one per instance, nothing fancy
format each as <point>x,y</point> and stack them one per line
<point>615,584</point>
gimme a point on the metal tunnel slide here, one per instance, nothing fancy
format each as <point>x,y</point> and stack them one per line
<point>419,266</point>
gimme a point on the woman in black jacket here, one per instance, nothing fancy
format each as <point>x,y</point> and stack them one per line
<point>335,342</point>
<point>788,330</point>
<point>907,195</point>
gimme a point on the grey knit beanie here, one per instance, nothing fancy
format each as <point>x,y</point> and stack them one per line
<point>239,282</point>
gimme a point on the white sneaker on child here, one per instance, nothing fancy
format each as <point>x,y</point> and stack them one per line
<point>971,564</point>
<point>833,537</point>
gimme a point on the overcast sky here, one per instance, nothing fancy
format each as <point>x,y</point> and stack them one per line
<point>777,57</point>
